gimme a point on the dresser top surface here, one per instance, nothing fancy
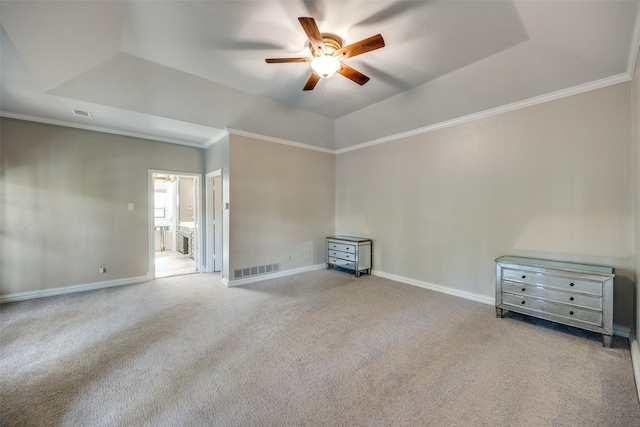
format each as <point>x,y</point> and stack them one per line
<point>555,264</point>
<point>350,239</point>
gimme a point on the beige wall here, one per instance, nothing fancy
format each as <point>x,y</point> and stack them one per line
<point>549,181</point>
<point>636,186</point>
<point>281,204</point>
<point>186,200</point>
<point>64,201</point>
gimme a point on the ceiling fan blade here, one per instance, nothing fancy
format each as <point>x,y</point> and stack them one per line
<point>284,60</point>
<point>358,48</point>
<point>313,80</point>
<point>313,33</point>
<point>352,74</point>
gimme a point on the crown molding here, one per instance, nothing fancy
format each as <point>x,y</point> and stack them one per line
<point>266,138</point>
<point>96,129</point>
<point>634,51</point>
<point>586,87</point>
<point>635,45</point>
<point>215,139</point>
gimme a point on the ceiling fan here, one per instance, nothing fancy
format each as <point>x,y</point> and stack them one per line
<point>327,51</point>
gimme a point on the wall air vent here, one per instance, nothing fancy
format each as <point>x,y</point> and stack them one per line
<point>81,113</point>
<point>256,271</point>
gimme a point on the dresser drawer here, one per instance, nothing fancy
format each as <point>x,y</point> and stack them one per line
<point>571,298</point>
<point>333,246</point>
<point>342,263</point>
<point>550,280</point>
<point>342,255</point>
<point>569,312</point>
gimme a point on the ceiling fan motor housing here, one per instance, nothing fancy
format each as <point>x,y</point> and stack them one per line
<point>331,44</point>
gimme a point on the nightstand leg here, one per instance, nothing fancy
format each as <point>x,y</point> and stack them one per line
<point>606,340</point>
<point>499,312</point>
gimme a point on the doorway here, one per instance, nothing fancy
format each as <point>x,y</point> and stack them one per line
<point>174,204</point>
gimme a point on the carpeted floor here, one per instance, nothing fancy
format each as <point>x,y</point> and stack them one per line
<point>320,348</point>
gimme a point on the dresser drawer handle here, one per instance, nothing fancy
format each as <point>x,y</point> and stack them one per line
<point>524,289</point>
<point>571,284</point>
<point>571,299</point>
<point>571,313</point>
<point>523,302</point>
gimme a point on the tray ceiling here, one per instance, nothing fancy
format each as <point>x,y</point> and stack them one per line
<point>184,71</point>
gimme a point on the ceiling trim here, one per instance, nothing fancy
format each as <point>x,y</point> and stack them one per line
<point>635,44</point>
<point>597,84</point>
<point>279,141</point>
<point>96,128</point>
<point>215,139</point>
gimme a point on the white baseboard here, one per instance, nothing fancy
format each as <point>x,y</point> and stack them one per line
<point>438,288</point>
<point>21,296</point>
<point>635,359</point>
<point>259,278</point>
<point>621,331</point>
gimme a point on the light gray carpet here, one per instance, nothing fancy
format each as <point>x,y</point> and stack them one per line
<point>320,348</point>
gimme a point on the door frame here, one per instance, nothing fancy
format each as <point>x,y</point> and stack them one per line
<point>197,177</point>
<point>210,204</point>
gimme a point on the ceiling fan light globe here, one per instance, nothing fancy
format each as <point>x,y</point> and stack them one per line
<point>325,66</point>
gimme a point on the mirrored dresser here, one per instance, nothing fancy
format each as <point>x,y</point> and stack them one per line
<point>573,294</point>
<point>353,253</point>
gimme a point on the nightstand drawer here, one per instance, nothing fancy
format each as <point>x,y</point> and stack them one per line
<point>342,255</point>
<point>342,263</point>
<point>333,246</point>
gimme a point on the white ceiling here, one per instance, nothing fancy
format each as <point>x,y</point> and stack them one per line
<point>185,71</point>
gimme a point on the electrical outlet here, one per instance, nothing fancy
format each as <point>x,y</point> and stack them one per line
<point>131,206</point>
<point>102,269</point>
<point>290,257</point>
